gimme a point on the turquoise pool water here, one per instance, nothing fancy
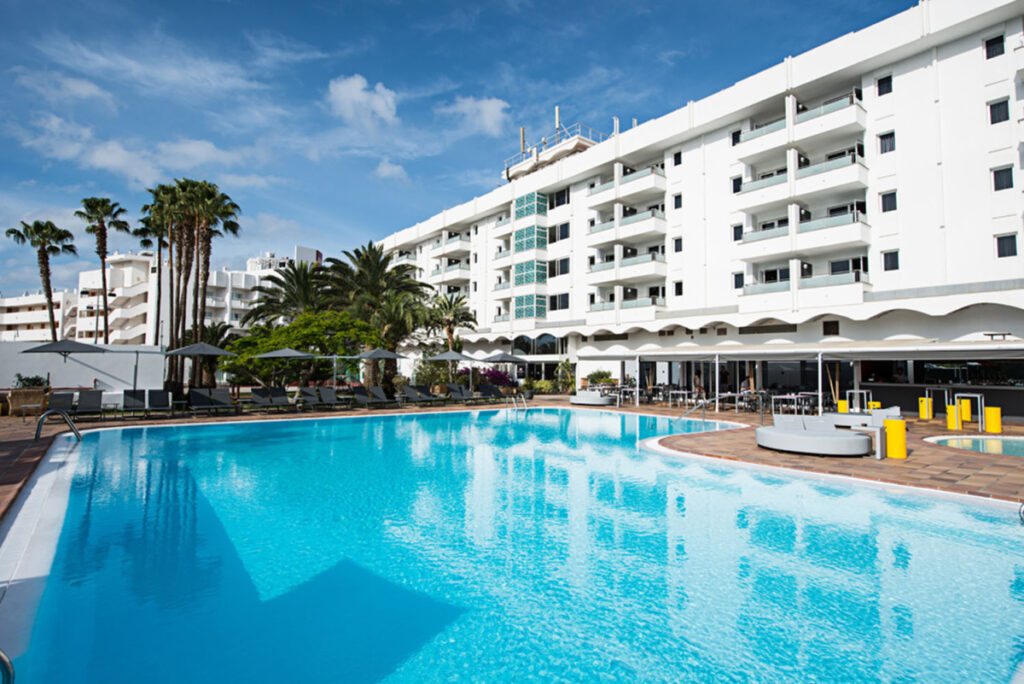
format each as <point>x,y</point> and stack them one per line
<point>986,445</point>
<point>502,547</point>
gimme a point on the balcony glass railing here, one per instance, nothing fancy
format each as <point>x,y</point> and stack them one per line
<point>643,173</point>
<point>437,272</point>
<point>763,182</point>
<point>831,164</point>
<point>755,235</point>
<point>602,306</point>
<point>832,221</point>
<point>642,301</point>
<point>436,244</point>
<point>503,222</point>
<point>501,318</point>
<point>602,187</point>
<point>642,259</point>
<point>502,285</point>
<point>763,129</point>
<point>502,253</point>
<point>837,279</point>
<point>456,238</point>
<point>607,225</point>
<point>833,105</point>
<point>764,288</point>
<point>602,266</point>
<point>643,216</point>
<point>456,267</point>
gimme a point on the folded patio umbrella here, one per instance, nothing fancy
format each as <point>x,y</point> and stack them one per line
<point>378,355</point>
<point>64,347</point>
<point>286,353</point>
<point>200,349</point>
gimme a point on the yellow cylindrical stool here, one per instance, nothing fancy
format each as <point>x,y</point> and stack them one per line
<point>895,438</point>
<point>843,406</point>
<point>965,410</point>
<point>924,408</point>
<point>874,405</point>
<point>952,418</point>
<point>993,419</point>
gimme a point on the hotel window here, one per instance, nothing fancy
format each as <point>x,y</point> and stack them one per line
<point>558,267</point>
<point>677,201</point>
<point>559,232</point>
<point>736,137</point>
<point>558,198</point>
<point>1006,246</point>
<point>830,327</point>
<point>737,232</point>
<point>1002,179</point>
<point>841,266</point>
<point>679,288</point>
<point>994,47</point>
<point>737,184</point>
<point>884,85</point>
<point>891,260</point>
<point>558,302</point>
<point>737,280</point>
<point>775,275</point>
<point>678,244</point>
<point>888,201</point>
<point>998,112</point>
<point>677,158</point>
<point>887,142</point>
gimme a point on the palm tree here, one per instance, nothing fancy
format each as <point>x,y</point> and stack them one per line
<point>450,312</point>
<point>101,214</point>
<point>290,291</point>
<point>153,232</point>
<point>49,241</point>
<point>219,334</point>
<point>397,318</point>
<point>217,216</point>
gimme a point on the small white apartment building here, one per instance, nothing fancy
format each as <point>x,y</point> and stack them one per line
<point>25,319</point>
<point>865,192</point>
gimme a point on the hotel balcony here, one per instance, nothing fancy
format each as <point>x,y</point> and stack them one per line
<point>502,254</point>
<point>635,187</point>
<point>818,236</point>
<point>839,118</point>
<point>501,318</point>
<point>408,258</point>
<point>455,246</point>
<point>833,290</point>
<point>757,194</point>
<point>502,227</point>
<point>453,273</point>
<point>624,311</point>
<point>638,268</point>
<point>765,288</point>
<point>646,224</point>
<point>761,141</point>
<point>502,291</point>
<point>845,174</point>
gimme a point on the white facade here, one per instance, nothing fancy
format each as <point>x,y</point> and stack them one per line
<point>25,318</point>
<point>854,192</point>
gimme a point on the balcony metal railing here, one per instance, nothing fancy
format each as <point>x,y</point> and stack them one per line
<point>832,221</point>
<point>642,301</point>
<point>764,288</point>
<point>836,279</point>
<point>763,129</point>
<point>607,225</point>
<point>750,186</point>
<point>602,187</point>
<point>755,235</point>
<point>833,105</point>
<point>643,216</point>
<point>559,136</point>
<point>601,266</point>
<point>602,306</point>
<point>642,259</point>
<point>831,164</point>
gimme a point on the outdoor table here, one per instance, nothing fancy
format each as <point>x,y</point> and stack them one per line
<point>735,396</point>
<point>782,398</point>
<point>928,391</point>
<point>863,399</point>
<point>30,406</point>
<point>980,398</point>
<point>680,396</point>
<point>623,393</point>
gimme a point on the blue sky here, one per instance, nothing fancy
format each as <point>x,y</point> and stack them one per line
<point>335,122</point>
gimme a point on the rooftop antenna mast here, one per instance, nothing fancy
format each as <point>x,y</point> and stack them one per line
<point>558,122</point>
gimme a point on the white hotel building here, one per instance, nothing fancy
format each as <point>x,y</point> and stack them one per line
<point>859,202</point>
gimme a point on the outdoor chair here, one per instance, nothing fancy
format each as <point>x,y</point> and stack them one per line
<point>377,392</point>
<point>61,401</point>
<point>460,393</point>
<point>363,398</point>
<point>133,401</point>
<point>425,391</point>
<point>261,399</point>
<point>329,398</point>
<point>220,400</point>
<point>309,398</point>
<point>491,393</point>
<point>199,400</point>
<point>279,399</point>
<point>158,401</point>
<point>90,403</point>
<point>413,396</point>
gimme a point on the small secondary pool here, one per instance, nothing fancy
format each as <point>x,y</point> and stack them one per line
<point>986,445</point>
<point>494,546</point>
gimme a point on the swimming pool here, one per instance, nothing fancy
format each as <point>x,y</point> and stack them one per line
<point>1007,446</point>
<point>500,546</point>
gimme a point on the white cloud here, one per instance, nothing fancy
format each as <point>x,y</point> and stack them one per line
<point>390,171</point>
<point>153,64</point>
<point>351,99</point>
<point>230,181</point>
<point>186,153</point>
<point>273,50</point>
<point>57,88</point>
<point>56,138</point>
<point>486,115</point>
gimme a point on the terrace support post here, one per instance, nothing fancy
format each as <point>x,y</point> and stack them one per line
<point>638,374</point>
<point>135,373</point>
<point>718,374</point>
<point>820,408</point>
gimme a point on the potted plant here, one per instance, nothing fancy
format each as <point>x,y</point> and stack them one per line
<point>528,388</point>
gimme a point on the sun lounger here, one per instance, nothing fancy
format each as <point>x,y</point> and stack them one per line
<point>90,403</point>
<point>309,398</point>
<point>413,396</point>
<point>261,399</point>
<point>134,401</point>
<point>158,401</point>
<point>199,400</point>
<point>279,399</point>
<point>329,398</point>
<point>459,393</point>
<point>61,401</point>
<point>220,400</point>
<point>811,435</point>
<point>365,399</point>
<point>377,392</point>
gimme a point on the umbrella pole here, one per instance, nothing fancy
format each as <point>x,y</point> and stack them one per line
<point>135,373</point>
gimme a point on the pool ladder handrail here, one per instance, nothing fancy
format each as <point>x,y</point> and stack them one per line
<point>1020,513</point>
<point>62,414</point>
<point>514,398</point>
<point>703,406</point>
<point>6,669</point>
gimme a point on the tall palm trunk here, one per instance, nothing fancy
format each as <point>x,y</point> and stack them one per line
<point>172,339</point>
<point>44,275</point>
<point>204,275</point>
<point>159,285</point>
<point>101,250</point>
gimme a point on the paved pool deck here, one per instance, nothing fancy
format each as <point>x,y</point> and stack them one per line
<point>928,465</point>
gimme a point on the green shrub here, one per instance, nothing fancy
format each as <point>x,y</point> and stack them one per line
<point>27,381</point>
<point>600,377</point>
<point>544,387</point>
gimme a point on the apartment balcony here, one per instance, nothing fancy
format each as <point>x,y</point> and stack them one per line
<point>502,291</point>
<point>643,302</point>
<point>818,236</point>
<point>760,245</point>
<point>642,267</point>
<point>455,273</point>
<point>761,140</point>
<point>502,254</point>
<point>501,318</point>
<point>121,295</point>
<point>765,288</point>
<point>243,304</point>
<point>641,226</point>
<point>841,118</point>
<point>760,193</point>
<point>833,290</point>
<point>215,303</point>
<point>125,316</point>
<point>845,174</point>
<point>409,258</point>
<point>135,334</point>
<point>502,227</point>
<point>645,184</point>
<point>29,317</point>
<point>454,246</point>
<point>601,306</point>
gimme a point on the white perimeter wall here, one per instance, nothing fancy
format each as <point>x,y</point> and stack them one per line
<point>112,371</point>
